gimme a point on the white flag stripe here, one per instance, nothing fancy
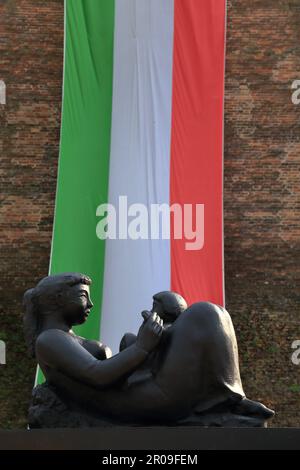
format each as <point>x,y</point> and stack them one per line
<point>140,158</point>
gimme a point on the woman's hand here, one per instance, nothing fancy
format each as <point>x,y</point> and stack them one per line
<point>150,333</point>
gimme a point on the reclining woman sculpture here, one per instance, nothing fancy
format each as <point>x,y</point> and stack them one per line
<point>186,372</point>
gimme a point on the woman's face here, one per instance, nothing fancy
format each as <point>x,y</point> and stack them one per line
<point>77,304</point>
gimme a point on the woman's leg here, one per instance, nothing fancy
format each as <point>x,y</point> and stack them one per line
<point>200,364</point>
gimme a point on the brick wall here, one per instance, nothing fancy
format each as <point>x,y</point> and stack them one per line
<point>31,48</point>
<point>261,191</point>
<point>262,203</point>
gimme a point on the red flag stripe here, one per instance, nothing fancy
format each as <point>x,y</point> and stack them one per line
<point>196,173</point>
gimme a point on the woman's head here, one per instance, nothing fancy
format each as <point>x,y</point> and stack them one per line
<point>64,295</point>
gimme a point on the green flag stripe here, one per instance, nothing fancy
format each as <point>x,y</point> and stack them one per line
<point>84,146</point>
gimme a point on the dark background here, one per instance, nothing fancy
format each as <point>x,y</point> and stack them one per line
<point>261,189</point>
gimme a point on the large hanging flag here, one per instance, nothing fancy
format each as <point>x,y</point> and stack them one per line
<point>142,126</point>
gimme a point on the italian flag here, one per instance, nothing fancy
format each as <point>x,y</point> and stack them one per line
<point>142,117</point>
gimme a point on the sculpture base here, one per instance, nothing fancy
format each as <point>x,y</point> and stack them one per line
<point>48,410</point>
<point>142,438</point>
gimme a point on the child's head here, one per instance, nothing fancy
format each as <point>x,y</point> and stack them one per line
<point>168,305</point>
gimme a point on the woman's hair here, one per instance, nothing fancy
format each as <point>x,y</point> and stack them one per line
<point>44,294</point>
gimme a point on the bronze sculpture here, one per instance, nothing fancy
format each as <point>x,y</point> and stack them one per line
<point>184,373</point>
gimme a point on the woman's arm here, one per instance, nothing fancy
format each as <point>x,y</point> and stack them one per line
<point>60,351</point>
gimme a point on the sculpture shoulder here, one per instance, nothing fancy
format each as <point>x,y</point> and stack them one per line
<point>52,341</point>
<point>48,336</point>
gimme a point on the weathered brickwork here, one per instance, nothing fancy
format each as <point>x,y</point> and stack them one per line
<point>261,189</point>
